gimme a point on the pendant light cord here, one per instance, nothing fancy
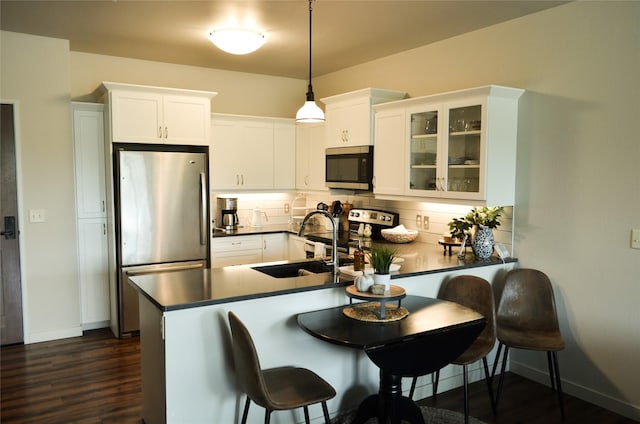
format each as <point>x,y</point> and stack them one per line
<point>310,96</point>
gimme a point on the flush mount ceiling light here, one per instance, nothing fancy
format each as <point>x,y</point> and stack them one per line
<point>236,40</point>
<point>310,112</point>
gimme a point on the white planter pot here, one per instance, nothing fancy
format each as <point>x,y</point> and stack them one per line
<point>384,279</point>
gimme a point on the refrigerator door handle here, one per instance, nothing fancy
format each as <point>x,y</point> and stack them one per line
<point>203,211</point>
<point>143,271</point>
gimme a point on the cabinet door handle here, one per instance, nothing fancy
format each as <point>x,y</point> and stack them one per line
<point>104,208</point>
<point>160,132</point>
<point>166,132</point>
<point>237,179</point>
<point>442,184</point>
<point>242,179</point>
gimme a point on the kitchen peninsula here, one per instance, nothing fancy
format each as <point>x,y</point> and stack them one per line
<point>187,365</point>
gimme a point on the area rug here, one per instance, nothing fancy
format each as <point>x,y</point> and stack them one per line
<point>430,415</point>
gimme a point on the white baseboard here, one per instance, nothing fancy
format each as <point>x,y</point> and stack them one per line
<point>95,325</point>
<point>618,406</point>
<point>46,336</point>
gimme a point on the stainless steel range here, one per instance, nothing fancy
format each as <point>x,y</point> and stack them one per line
<point>377,219</point>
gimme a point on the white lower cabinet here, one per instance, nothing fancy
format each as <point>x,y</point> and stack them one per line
<point>250,249</point>
<point>296,248</point>
<point>236,250</point>
<point>93,269</point>
<point>274,247</point>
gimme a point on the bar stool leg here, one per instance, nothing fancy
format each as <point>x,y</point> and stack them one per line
<point>557,373</point>
<point>246,410</point>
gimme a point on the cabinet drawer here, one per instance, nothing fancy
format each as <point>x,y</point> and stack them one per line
<point>236,244</point>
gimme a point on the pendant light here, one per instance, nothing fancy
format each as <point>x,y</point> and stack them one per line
<point>310,112</point>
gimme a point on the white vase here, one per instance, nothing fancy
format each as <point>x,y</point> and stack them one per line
<point>384,279</point>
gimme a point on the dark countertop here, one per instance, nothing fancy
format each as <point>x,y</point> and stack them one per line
<point>193,288</point>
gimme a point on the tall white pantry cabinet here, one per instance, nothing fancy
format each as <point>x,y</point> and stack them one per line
<point>93,263</point>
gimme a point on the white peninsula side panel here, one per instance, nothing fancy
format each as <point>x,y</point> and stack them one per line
<point>198,382</point>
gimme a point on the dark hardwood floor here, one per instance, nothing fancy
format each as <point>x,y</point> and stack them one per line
<point>96,379</point>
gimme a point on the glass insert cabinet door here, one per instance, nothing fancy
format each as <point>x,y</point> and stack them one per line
<point>464,149</point>
<point>423,155</point>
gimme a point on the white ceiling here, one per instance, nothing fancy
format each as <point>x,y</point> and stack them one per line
<point>345,32</point>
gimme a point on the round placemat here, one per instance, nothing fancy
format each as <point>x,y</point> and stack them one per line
<point>370,312</point>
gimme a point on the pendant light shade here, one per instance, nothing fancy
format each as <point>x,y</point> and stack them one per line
<point>310,112</point>
<point>237,41</point>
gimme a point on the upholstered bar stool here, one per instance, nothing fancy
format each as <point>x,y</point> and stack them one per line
<point>274,389</point>
<point>474,293</point>
<point>527,319</point>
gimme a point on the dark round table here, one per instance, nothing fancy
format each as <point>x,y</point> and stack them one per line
<point>433,334</point>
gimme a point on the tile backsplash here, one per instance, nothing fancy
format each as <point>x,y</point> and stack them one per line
<point>282,208</point>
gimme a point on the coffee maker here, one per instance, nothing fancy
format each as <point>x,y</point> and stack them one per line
<point>228,212</point>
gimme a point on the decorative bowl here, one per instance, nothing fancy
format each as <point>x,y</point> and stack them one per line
<point>399,237</point>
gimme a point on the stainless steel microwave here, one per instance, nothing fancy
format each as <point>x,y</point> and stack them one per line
<point>349,168</point>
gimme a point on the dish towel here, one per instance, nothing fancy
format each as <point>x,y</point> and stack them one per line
<point>318,249</point>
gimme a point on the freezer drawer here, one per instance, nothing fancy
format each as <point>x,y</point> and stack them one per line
<point>128,313</point>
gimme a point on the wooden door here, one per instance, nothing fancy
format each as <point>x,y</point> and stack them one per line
<point>11,329</point>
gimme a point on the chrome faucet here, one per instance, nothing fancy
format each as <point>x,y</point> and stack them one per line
<point>334,240</point>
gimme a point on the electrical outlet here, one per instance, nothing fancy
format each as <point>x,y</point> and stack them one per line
<point>635,238</point>
<point>425,222</point>
<point>418,221</point>
<point>286,208</point>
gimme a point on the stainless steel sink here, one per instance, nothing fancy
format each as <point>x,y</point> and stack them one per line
<point>295,269</point>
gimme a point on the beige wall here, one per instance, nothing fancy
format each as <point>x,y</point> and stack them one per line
<point>43,76</point>
<point>238,93</point>
<point>578,179</point>
<point>35,73</point>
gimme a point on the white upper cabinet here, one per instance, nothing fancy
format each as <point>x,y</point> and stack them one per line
<point>252,153</point>
<point>88,137</point>
<point>310,165</point>
<point>457,146</point>
<point>284,155</point>
<point>141,114</point>
<point>349,117</point>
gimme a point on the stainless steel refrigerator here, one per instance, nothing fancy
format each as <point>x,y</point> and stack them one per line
<point>162,216</point>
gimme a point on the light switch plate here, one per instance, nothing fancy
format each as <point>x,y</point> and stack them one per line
<point>36,215</point>
<point>635,238</point>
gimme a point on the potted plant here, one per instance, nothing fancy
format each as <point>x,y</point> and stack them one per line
<point>458,228</point>
<point>381,259</point>
<point>483,220</point>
